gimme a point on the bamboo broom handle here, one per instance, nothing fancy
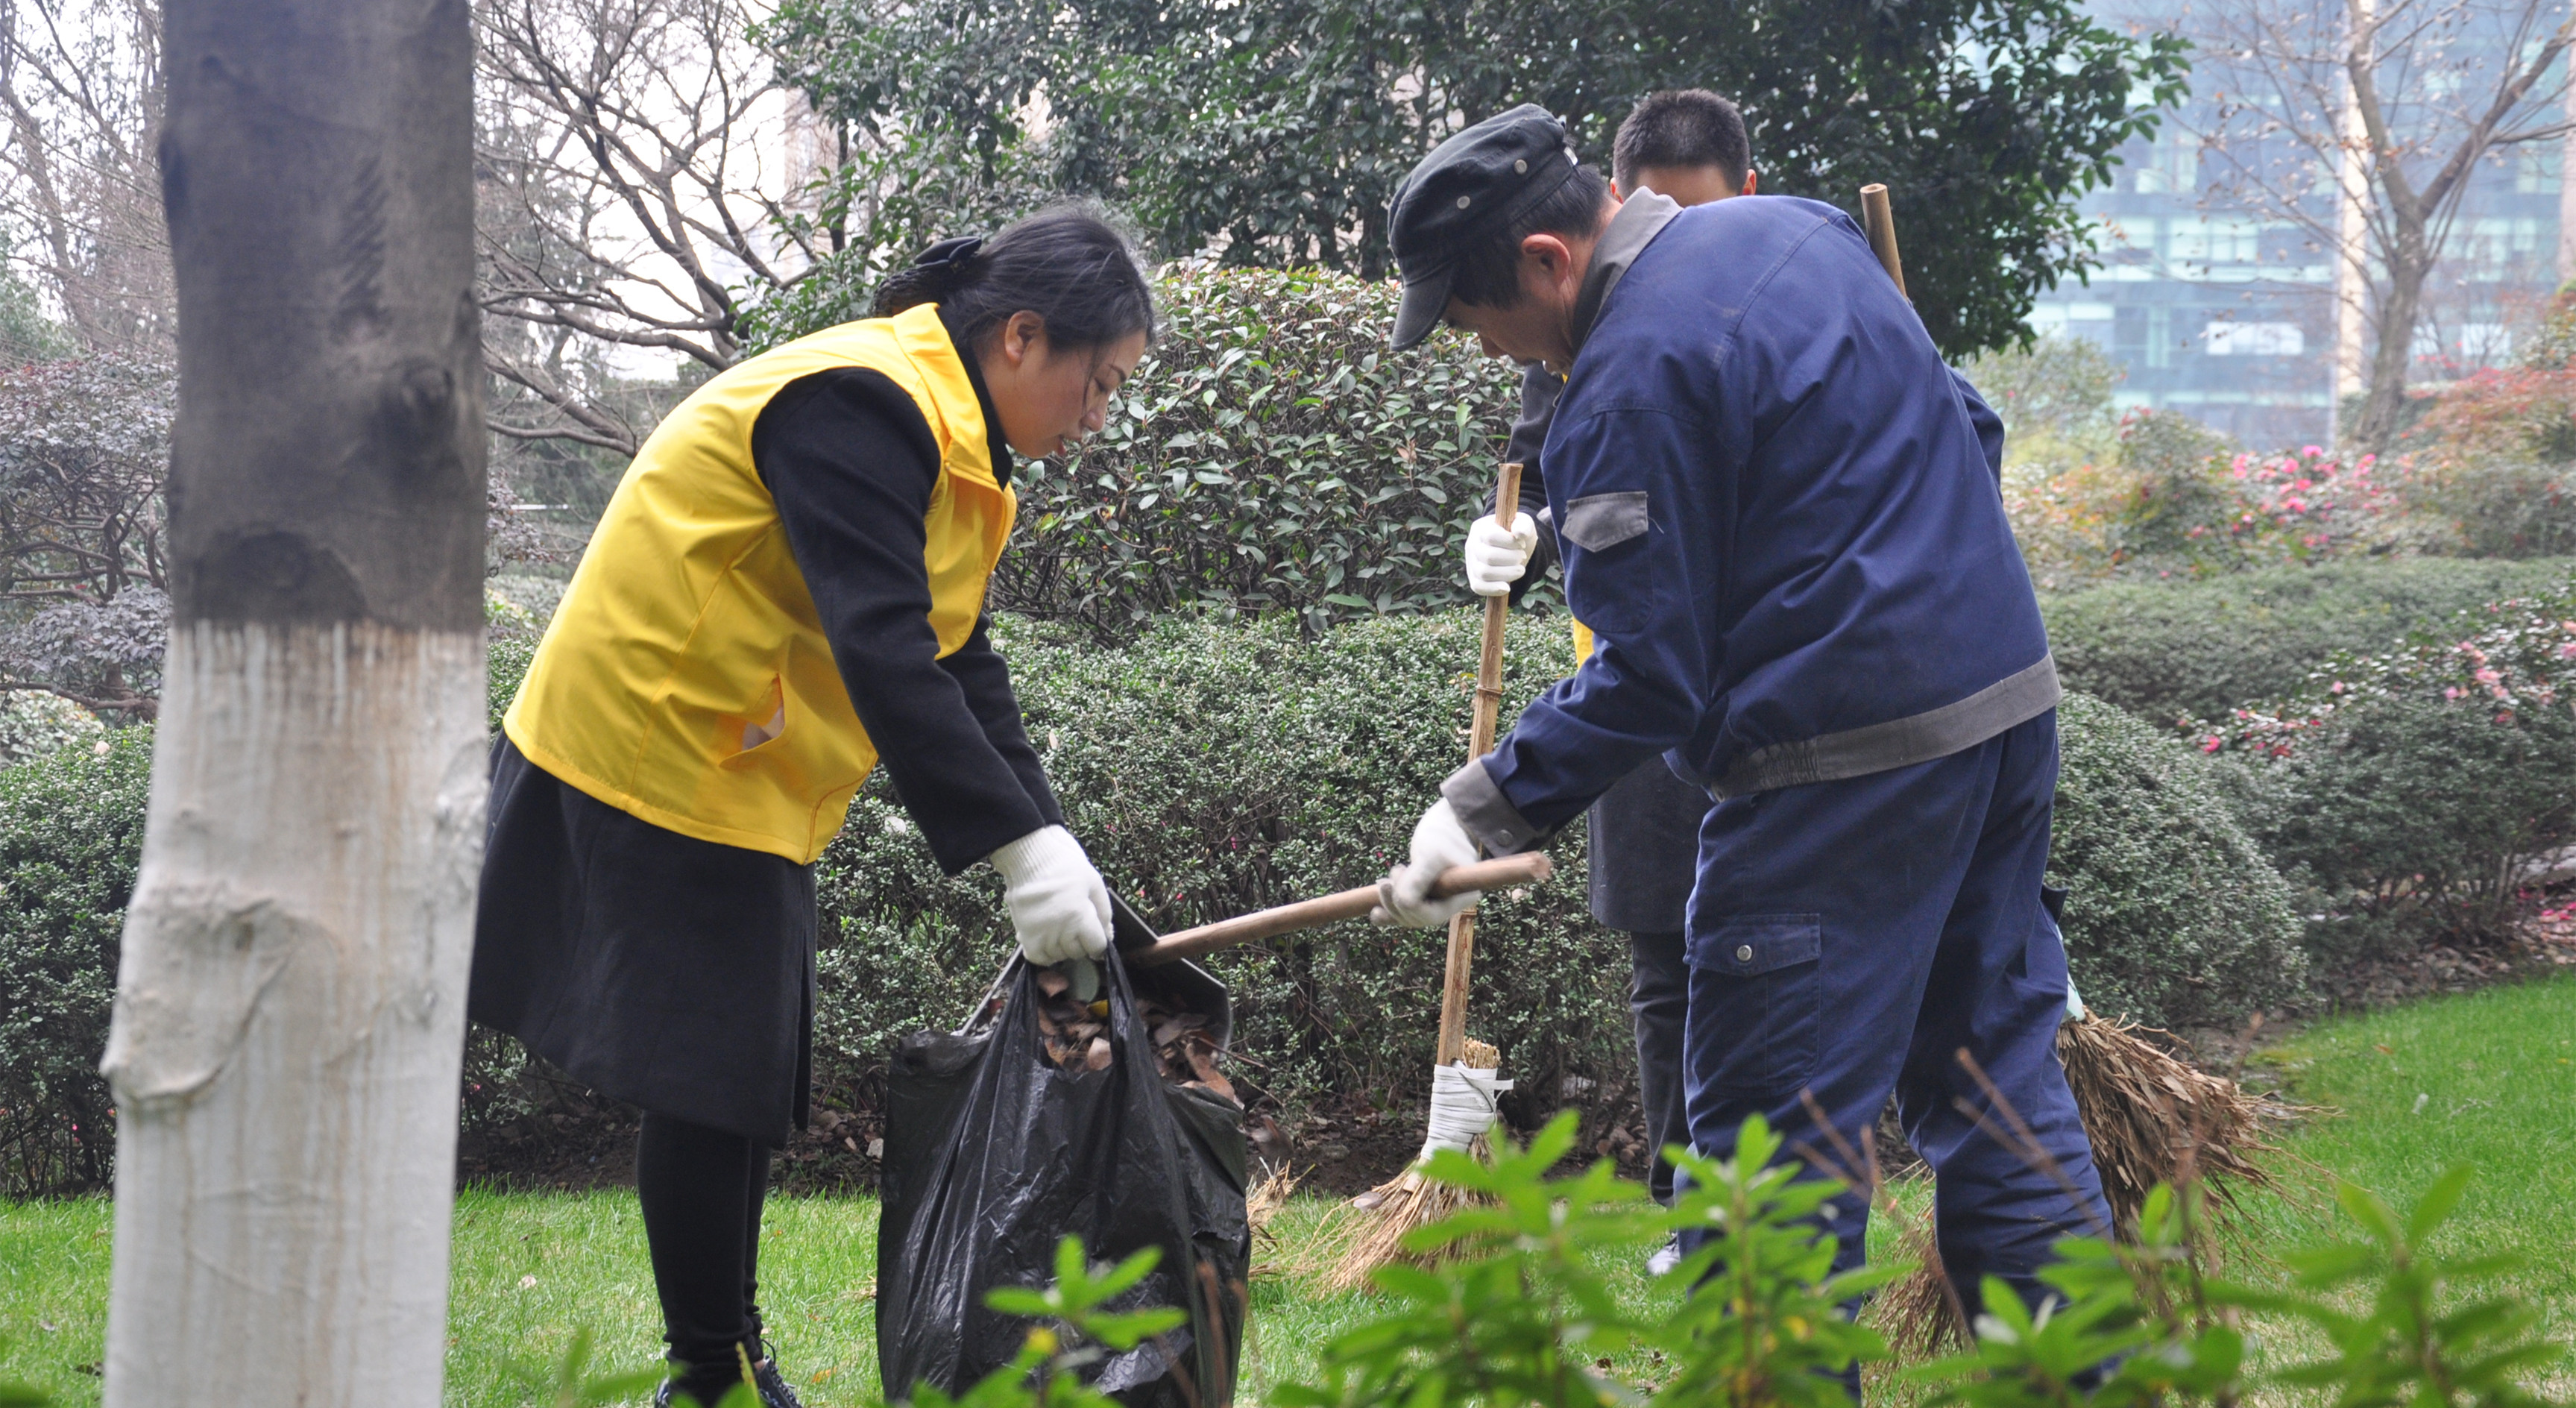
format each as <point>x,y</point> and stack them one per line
<point>1522,869</point>
<point>1480,741</point>
<point>1880,222</point>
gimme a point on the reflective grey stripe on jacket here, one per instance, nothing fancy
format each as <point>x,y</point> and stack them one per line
<point>2017,698</point>
<point>1919,738</point>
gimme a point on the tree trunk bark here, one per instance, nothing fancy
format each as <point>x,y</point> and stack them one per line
<point>290,1006</point>
<point>2409,264</point>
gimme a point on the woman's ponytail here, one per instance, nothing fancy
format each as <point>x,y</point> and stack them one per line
<point>1065,263</point>
<point>933,275</point>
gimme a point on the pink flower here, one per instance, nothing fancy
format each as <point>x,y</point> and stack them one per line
<point>2336,688</point>
<point>2567,650</point>
<point>2451,693</point>
<point>2488,676</point>
<point>2211,744</point>
<point>2310,451</point>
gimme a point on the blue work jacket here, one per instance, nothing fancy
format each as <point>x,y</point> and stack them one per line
<point>1780,514</point>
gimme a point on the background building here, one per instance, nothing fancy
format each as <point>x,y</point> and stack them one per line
<point>2230,314</point>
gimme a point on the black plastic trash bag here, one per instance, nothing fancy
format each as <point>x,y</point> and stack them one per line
<point>993,1154</point>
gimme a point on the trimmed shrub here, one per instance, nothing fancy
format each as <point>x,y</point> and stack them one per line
<point>1269,455</point>
<point>2412,789</point>
<point>2167,651</point>
<point>71,832</point>
<point>2173,915</point>
<point>1210,770</point>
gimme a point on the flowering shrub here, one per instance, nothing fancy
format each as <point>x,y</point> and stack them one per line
<point>2515,656</point>
<point>2170,650</point>
<point>2413,787</point>
<point>2174,501</point>
<point>2297,506</point>
<point>2492,468</point>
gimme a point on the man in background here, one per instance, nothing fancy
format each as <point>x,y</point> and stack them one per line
<point>1691,146</point>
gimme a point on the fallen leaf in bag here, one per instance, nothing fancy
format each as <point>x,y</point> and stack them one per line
<point>1076,1037</point>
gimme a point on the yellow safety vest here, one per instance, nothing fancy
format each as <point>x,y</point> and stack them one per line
<point>685,679</point>
<point>1582,643</point>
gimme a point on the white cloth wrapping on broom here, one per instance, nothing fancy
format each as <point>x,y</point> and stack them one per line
<point>1465,1102</point>
<point>2074,1005</point>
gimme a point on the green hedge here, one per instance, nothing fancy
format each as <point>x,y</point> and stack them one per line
<point>2411,790</point>
<point>1213,770</point>
<point>71,832</point>
<point>1210,770</point>
<point>2172,650</point>
<point>1269,455</point>
<point>2173,915</point>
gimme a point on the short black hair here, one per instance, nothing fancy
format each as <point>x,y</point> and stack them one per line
<point>1489,271</point>
<point>1067,263</point>
<point>1682,127</point>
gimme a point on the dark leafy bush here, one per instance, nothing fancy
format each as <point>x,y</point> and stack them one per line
<point>2173,916</point>
<point>2171,650</point>
<point>2413,788</point>
<point>1210,770</point>
<point>71,832</point>
<point>1269,455</point>
<point>1214,770</point>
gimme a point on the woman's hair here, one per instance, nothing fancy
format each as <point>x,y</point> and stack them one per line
<point>1065,263</point>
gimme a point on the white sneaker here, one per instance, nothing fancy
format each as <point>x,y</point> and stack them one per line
<point>1666,1257</point>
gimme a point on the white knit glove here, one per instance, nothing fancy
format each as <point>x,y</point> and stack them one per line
<point>1057,902</point>
<point>1496,559</point>
<point>1439,843</point>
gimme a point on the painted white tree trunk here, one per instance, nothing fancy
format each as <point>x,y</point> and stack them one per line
<point>289,1018</point>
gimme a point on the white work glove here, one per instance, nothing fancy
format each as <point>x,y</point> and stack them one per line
<point>1496,559</point>
<point>1057,902</point>
<point>1439,843</point>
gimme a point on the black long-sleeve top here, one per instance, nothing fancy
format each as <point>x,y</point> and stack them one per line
<point>851,463</point>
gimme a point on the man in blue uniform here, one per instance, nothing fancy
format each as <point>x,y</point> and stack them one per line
<point>1780,519</point>
<point>1689,144</point>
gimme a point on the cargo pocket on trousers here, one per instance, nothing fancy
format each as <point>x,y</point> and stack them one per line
<point>1754,999</point>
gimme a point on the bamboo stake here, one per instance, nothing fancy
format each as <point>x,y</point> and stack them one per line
<point>1374,1236</point>
<point>1880,223</point>
<point>1480,741</point>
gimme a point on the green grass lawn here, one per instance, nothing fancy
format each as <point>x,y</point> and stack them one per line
<point>2488,1078</point>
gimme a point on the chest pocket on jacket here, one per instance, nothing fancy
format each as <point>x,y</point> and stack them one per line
<point>1611,585</point>
<point>1600,522</point>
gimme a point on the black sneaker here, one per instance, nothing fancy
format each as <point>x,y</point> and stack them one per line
<point>774,1392</point>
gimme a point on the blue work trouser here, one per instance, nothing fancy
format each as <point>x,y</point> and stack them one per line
<point>1851,938</point>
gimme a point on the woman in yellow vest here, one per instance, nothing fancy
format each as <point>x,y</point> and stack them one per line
<point>786,590</point>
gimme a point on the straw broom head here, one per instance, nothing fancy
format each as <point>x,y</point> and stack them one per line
<point>2151,1118</point>
<point>1371,1230</point>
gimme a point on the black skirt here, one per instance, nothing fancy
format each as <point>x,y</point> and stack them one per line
<point>656,968</point>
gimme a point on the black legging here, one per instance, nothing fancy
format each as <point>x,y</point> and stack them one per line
<point>701,1189</point>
